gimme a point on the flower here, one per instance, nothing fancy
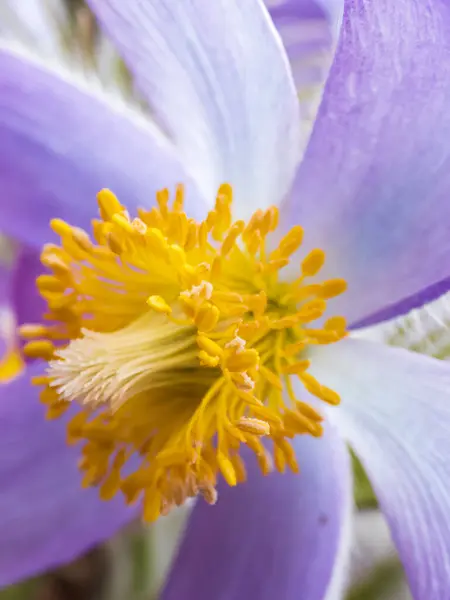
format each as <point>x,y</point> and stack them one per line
<point>370,186</point>
<point>179,339</point>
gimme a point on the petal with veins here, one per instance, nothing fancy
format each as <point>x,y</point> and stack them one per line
<point>280,536</point>
<point>218,79</point>
<point>309,30</point>
<point>395,413</point>
<point>61,142</point>
<point>374,185</point>
<point>47,519</point>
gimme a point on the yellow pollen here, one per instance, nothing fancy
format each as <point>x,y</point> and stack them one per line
<point>180,341</point>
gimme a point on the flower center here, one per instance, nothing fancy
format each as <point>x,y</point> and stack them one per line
<point>179,341</point>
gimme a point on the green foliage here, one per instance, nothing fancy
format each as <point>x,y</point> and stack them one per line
<point>22,591</point>
<point>382,582</point>
<point>364,495</point>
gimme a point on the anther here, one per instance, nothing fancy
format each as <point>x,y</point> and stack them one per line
<point>332,288</point>
<point>299,367</point>
<point>313,262</point>
<point>159,305</point>
<point>39,349</point>
<point>108,204</point>
<point>254,426</point>
<point>227,469</point>
<point>289,243</point>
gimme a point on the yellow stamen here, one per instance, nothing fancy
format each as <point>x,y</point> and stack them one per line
<point>332,288</point>
<point>180,341</point>
<point>11,365</point>
<point>255,426</point>
<point>313,262</point>
<point>159,305</point>
<point>39,349</point>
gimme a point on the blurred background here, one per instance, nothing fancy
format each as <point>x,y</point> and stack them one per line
<point>134,564</point>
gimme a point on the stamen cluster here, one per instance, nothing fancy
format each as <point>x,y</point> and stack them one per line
<point>180,341</point>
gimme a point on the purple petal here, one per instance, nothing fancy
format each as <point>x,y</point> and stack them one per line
<point>28,304</point>
<point>374,185</point>
<point>46,518</point>
<point>304,9</point>
<point>309,30</point>
<point>5,284</point>
<point>396,414</point>
<point>273,537</point>
<point>217,77</point>
<point>406,305</point>
<point>306,25</point>
<point>61,142</point>
<point>5,308</point>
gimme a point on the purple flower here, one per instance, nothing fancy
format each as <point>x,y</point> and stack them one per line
<point>370,190</point>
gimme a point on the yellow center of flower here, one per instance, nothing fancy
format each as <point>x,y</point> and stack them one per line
<point>179,340</point>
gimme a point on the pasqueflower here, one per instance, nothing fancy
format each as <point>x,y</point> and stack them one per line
<point>180,338</point>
